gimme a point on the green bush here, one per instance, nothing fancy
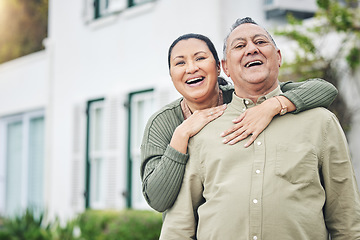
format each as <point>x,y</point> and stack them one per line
<point>90,225</point>
<point>120,225</point>
<point>27,226</point>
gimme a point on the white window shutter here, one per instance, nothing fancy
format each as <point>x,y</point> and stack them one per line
<point>78,158</point>
<point>165,95</point>
<point>88,10</point>
<point>113,105</point>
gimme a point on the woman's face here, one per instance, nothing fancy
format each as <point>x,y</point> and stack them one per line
<point>193,70</point>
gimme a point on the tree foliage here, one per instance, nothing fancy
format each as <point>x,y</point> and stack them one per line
<point>337,22</point>
<point>23,26</point>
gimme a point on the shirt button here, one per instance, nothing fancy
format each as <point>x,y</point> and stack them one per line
<point>258,143</point>
<point>255,237</point>
<point>257,171</point>
<point>247,102</point>
<point>244,109</point>
<point>255,201</point>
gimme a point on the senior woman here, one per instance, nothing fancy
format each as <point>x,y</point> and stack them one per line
<point>194,69</point>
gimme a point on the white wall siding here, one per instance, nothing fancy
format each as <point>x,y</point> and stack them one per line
<point>24,83</point>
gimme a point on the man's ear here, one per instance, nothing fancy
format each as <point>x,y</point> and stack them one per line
<point>279,57</point>
<point>224,67</point>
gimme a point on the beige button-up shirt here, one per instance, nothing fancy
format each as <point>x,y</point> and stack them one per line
<point>295,182</point>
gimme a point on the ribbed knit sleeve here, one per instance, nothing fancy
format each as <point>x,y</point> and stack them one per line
<point>162,167</point>
<point>309,94</point>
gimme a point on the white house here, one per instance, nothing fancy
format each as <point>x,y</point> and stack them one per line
<point>72,116</point>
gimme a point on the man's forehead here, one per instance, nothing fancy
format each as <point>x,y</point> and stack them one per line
<point>246,30</point>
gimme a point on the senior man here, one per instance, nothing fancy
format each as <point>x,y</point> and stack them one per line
<point>296,182</point>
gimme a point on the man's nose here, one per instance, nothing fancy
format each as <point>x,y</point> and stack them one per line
<point>251,48</point>
<point>191,67</point>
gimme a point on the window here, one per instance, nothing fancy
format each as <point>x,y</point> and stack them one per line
<point>22,162</point>
<point>95,162</point>
<point>278,9</point>
<point>103,8</point>
<point>142,106</point>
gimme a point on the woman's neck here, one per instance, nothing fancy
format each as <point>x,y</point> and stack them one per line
<point>208,103</point>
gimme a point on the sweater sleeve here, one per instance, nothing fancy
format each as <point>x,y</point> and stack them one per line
<point>309,94</point>
<point>162,177</point>
<point>162,167</point>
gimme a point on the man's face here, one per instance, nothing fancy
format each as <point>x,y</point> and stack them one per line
<point>252,58</point>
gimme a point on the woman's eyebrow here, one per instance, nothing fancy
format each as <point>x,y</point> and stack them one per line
<point>179,56</point>
<point>197,53</point>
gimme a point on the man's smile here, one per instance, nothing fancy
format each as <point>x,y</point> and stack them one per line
<point>253,63</point>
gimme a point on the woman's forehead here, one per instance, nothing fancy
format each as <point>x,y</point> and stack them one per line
<point>190,45</point>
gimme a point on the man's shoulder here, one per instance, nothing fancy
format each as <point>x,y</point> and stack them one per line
<point>318,117</point>
<point>320,112</point>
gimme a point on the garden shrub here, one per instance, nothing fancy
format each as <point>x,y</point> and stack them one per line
<point>29,225</point>
<point>120,225</point>
<point>89,225</point>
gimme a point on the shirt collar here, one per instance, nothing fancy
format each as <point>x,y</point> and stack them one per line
<point>241,104</point>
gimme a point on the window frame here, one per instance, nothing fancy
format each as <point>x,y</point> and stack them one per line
<point>104,8</point>
<point>25,119</point>
<point>88,155</point>
<point>130,147</point>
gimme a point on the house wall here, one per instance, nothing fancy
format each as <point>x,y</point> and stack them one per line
<point>24,84</point>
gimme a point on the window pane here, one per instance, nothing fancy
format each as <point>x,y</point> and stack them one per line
<point>136,2</point>
<point>14,152</point>
<point>96,129</point>
<point>143,106</point>
<point>97,181</point>
<point>36,162</point>
<point>107,7</point>
<point>268,2</point>
<point>96,155</point>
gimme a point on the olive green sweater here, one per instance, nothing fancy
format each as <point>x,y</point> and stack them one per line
<point>162,167</point>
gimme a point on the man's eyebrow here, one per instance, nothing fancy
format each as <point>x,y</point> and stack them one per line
<point>236,40</point>
<point>243,39</point>
<point>262,35</point>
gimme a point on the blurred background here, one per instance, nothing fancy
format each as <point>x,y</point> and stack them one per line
<point>79,79</point>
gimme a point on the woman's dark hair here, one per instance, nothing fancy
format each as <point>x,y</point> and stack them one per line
<point>196,36</point>
<point>208,42</point>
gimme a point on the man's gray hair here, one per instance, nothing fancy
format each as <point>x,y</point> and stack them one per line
<point>237,23</point>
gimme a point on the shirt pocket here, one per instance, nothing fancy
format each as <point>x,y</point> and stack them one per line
<point>296,164</point>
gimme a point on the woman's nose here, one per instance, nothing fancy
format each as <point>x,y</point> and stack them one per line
<point>191,67</point>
